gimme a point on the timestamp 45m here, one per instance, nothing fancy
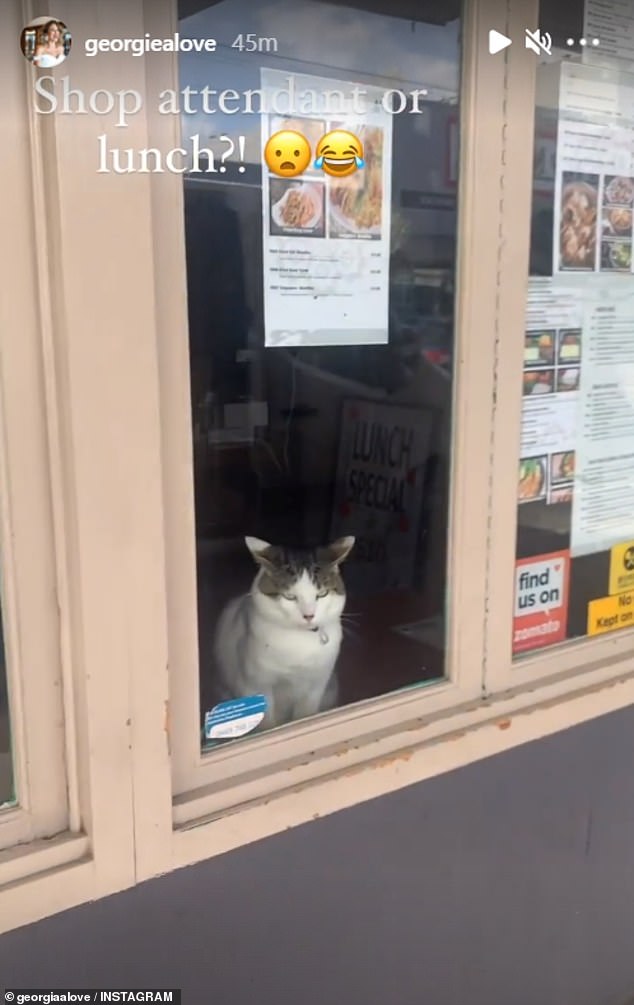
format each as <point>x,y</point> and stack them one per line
<point>254,43</point>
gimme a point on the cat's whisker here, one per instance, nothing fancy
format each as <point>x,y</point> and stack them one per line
<point>351,624</point>
<point>351,633</point>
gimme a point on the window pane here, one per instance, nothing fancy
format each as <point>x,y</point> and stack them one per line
<point>320,285</point>
<point>575,541</point>
<point>6,765</point>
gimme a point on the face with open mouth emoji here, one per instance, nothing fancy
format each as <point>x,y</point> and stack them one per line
<point>339,153</point>
<point>287,153</point>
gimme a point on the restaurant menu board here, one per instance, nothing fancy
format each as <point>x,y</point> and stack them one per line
<point>613,24</point>
<point>550,388</point>
<point>594,184</point>
<point>603,511</point>
<point>575,542</point>
<point>326,240</point>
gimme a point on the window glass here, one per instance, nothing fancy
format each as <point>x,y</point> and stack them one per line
<point>320,289</point>
<point>575,543</point>
<point>6,766</point>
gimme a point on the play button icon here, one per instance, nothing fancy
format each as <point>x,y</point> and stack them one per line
<point>497,42</point>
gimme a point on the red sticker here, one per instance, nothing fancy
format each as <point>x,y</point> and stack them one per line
<point>541,601</point>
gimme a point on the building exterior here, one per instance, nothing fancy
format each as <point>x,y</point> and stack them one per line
<point>428,354</point>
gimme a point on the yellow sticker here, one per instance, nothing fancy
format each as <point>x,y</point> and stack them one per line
<point>611,613</point>
<point>622,568</point>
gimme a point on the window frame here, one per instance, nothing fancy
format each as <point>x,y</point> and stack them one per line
<point>92,480</point>
<point>609,655</point>
<point>222,771</point>
<point>31,627</point>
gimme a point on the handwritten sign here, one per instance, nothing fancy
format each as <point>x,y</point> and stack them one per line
<point>383,452</point>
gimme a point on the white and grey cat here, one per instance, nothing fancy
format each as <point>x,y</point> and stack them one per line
<point>283,638</point>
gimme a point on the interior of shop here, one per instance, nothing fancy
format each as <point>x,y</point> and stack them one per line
<point>270,424</point>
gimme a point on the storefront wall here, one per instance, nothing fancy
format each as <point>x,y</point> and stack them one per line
<point>113,787</point>
<point>511,880</point>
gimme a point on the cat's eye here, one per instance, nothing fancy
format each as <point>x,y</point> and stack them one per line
<point>323,593</point>
<point>289,596</point>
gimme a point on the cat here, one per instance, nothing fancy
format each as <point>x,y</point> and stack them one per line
<point>282,639</point>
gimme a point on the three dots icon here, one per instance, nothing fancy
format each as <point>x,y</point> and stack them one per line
<point>583,41</point>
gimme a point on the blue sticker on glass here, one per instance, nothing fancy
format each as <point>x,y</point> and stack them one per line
<point>234,718</point>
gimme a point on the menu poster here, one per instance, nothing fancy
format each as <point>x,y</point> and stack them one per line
<point>603,510</point>
<point>575,539</point>
<point>550,386</point>
<point>594,182</point>
<point>612,24</point>
<point>326,240</point>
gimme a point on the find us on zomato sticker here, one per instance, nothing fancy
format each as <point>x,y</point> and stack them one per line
<point>541,601</point>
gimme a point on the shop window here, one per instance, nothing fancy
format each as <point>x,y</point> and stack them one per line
<point>575,541</point>
<point>321,319</point>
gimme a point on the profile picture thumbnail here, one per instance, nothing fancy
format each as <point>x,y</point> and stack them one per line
<point>45,42</point>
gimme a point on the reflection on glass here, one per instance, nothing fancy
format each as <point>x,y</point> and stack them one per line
<point>6,768</point>
<point>575,540</point>
<point>321,344</point>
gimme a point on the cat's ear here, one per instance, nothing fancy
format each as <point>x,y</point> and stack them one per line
<point>339,549</point>
<point>261,550</point>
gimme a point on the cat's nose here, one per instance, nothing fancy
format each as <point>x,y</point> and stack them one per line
<point>308,617</point>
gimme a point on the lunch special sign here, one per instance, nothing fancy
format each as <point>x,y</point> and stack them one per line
<point>383,452</point>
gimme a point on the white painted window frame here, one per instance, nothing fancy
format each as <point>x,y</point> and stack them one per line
<point>82,626</point>
<point>29,582</point>
<point>241,773</point>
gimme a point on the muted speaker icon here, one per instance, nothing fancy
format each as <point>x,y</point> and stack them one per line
<point>539,42</point>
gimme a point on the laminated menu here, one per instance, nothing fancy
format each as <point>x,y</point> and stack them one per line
<point>575,541</point>
<point>594,182</point>
<point>326,240</point>
<point>612,24</point>
<point>603,512</point>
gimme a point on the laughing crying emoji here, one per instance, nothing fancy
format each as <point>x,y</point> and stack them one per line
<point>339,153</point>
